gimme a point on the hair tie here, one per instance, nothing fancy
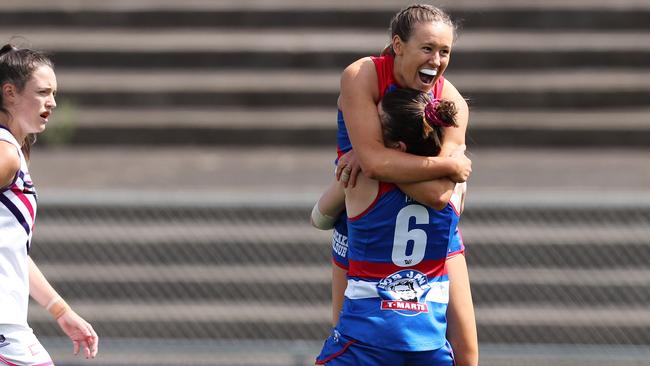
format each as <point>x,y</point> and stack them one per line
<point>7,48</point>
<point>432,117</point>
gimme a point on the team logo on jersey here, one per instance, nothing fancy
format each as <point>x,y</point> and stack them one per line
<point>404,291</point>
<point>3,341</point>
<point>340,244</point>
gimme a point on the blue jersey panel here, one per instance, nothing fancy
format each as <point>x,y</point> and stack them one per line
<point>456,245</point>
<point>340,241</point>
<point>342,139</point>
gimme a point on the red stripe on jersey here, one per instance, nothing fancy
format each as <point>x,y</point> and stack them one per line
<point>431,268</point>
<point>340,265</point>
<point>385,76</point>
<point>339,152</point>
<point>19,193</point>
<point>337,354</point>
<point>6,362</point>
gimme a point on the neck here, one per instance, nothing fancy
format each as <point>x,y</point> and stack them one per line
<point>14,129</point>
<point>397,63</point>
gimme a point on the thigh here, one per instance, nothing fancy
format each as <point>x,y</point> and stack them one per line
<point>19,346</point>
<point>339,350</point>
<point>443,356</point>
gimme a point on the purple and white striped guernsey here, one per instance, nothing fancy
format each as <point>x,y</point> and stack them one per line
<point>17,215</point>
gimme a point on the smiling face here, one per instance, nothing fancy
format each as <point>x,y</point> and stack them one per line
<point>31,107</point>
<point>420,61</point>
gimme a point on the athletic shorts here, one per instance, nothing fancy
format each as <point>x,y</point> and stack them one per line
<point>20,347</point>
<point>339,350</point>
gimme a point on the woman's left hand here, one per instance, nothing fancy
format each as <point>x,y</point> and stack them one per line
<point>80,332</point>
<point>348,169</point>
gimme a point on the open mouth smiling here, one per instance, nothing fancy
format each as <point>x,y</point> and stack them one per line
<point>427,75</point>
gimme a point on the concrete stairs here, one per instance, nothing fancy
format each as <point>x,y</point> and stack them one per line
<point>562,64</point>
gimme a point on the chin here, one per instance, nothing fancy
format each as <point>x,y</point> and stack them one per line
<point>425,87</point>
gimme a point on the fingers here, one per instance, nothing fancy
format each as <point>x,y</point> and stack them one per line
<point>354,173</point>
<point>343,164</point>
<point>93,341</point>
<point>75,347</point>
<point>90,342</point>
<point>345,175</point>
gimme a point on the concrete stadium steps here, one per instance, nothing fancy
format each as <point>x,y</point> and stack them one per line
<point>314,49</point>
<point>237,321</point>
<point>532,282</point>
<point>492,286</point>
<point>518,252</point>
<point>203,107</point>
<point>285,59</point>
<point>367,18</point>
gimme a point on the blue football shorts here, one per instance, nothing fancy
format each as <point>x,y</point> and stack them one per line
<point>339,350</point>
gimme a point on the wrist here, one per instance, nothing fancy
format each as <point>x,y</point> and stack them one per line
<point>454,166</point>
<point>57,307</point>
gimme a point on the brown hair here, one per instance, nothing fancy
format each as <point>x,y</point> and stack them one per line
<point>404,22</point>
<point>16,67</point>
<point>417,120</point>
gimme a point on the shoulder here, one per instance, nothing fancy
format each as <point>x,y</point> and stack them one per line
<point>360,75</point>
<point>450,92</point>
<point>9,162</point>
<point>359,71</point>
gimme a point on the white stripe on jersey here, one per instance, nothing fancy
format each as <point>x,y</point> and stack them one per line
<point>438,292</point>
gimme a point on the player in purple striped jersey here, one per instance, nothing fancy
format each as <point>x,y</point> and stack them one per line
<point>28,86</point>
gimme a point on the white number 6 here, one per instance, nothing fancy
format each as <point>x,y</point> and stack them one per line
<point>403,235</point>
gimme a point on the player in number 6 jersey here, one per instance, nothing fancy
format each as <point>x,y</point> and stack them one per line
<point>395,304</point>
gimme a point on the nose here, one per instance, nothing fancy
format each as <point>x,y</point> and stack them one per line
<point>435,59</point>
<point>51,102</point>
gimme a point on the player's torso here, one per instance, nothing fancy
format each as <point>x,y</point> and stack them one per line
<point>398,284</point>
<point>17,215</point>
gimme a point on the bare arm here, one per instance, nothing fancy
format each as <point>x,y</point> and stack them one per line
<point>454,137</point>
<point>434,193</point>
<point>9,163</point>
<point>461,329</point>
<point>358,100</point>
<point>339,284</point>
<point>80,332</point>
<point>329,206</point>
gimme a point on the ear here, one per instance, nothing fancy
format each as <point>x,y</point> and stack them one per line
<point>401,146</point>
<point>8,92</point>
<point>398,45</point>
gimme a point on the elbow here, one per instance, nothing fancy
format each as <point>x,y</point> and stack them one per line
<point>321,221</point>
<point>439,204</point>
<point>373,170</point>
<point>439,201</point>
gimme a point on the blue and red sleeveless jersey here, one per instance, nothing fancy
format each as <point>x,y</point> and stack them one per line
<point>398,289</point>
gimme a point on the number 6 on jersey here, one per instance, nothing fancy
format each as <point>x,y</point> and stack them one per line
<point>403,236</point>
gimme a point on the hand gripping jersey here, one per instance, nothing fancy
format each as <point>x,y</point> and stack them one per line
<point>386,83</point>
<point>398,289</point>
<point>17,213</point>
